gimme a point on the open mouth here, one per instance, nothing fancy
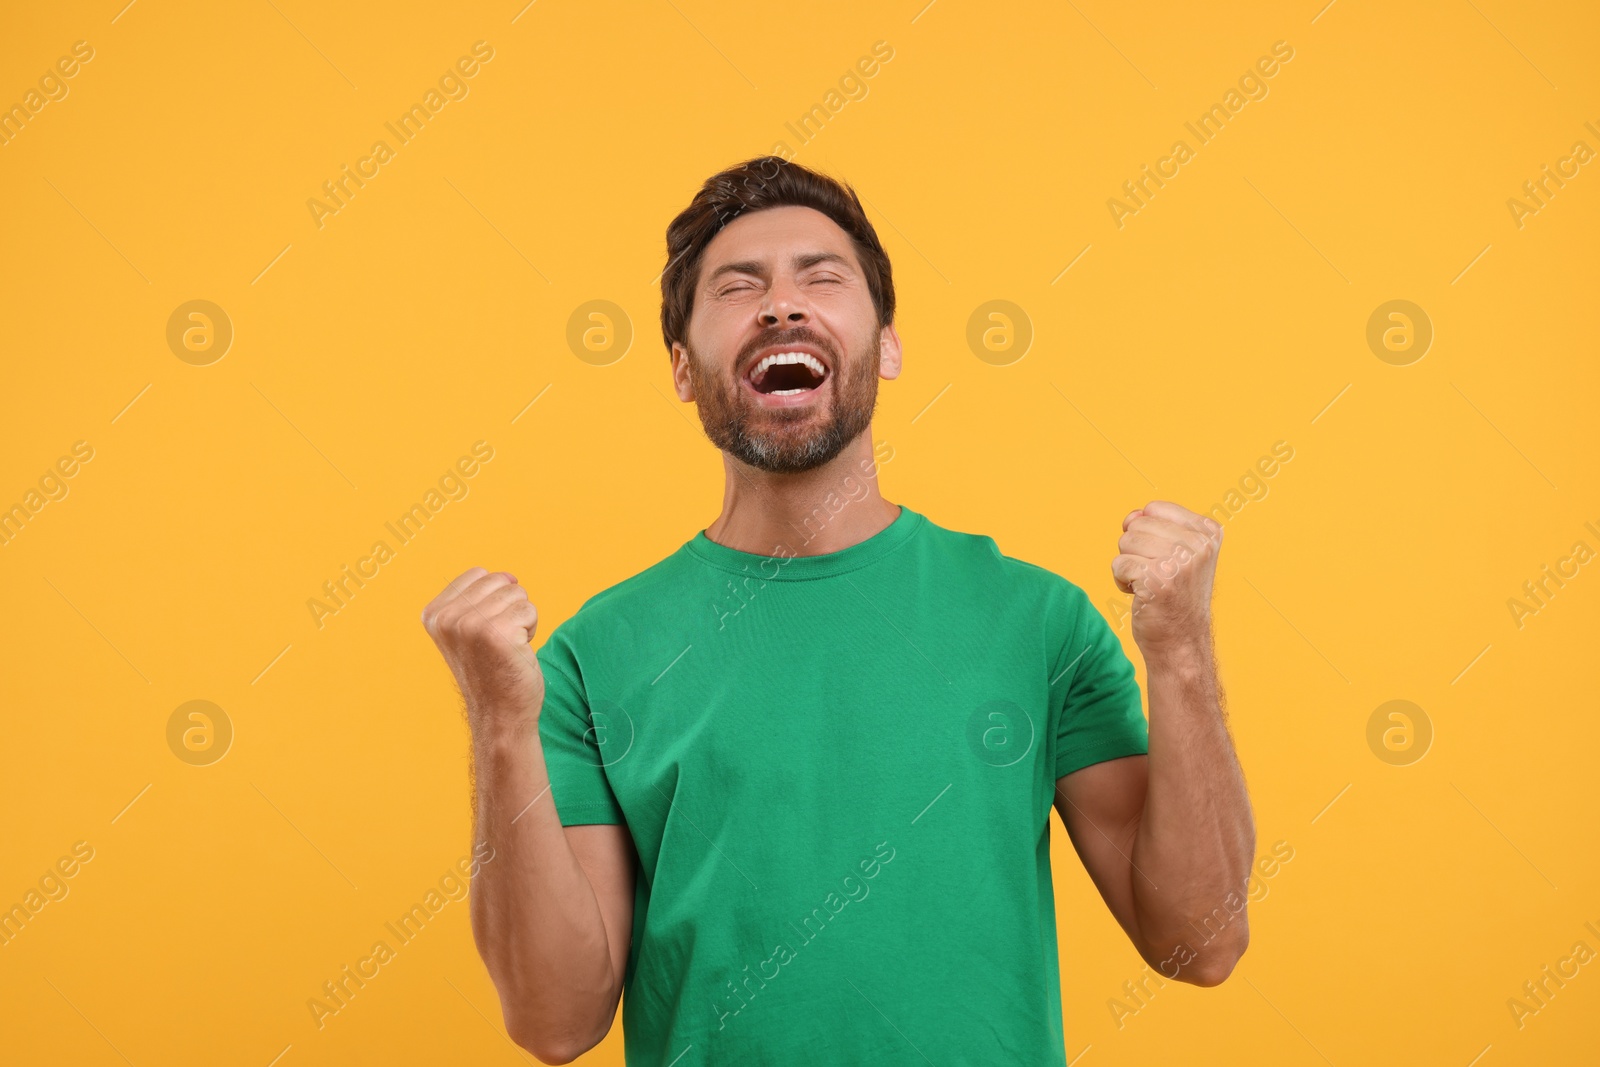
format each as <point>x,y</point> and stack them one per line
<point>787,374</point>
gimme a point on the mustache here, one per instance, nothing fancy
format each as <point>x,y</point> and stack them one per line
<point>795,335</point>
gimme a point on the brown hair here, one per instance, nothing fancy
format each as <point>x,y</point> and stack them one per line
<point>763,182</point>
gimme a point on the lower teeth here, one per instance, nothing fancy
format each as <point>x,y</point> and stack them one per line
<point>787,392</point>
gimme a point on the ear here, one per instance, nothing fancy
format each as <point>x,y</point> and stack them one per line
<point>680,373</point>
<point>889,352</point>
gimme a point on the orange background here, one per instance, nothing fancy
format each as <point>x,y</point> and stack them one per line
<point>1167,355</point>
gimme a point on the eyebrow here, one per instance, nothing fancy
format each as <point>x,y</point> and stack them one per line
<point>801,262</point>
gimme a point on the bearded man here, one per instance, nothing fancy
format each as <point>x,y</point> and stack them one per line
<point>786,793</point>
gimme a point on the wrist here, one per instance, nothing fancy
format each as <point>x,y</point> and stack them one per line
<point>1192,655</point>
<point>496,731</point>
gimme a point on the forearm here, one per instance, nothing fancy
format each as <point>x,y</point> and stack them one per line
<point>535,918</point>
<point>1196,838</point>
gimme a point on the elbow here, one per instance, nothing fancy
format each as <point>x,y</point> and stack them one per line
<point>1206,966</point>
<point>546,1055</point>
<point>1213,968</point>
<point>550,1044</point>
<point>547,1048</point>
<point>1213,974</point>
<point>557,1021</point>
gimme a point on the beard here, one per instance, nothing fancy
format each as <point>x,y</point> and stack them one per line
<point>788,440</point>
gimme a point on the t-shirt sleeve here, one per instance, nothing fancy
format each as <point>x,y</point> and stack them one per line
<point>1101,706</point>
<point>569,737</point>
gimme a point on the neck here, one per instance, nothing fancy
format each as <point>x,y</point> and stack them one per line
<point>808,513</point>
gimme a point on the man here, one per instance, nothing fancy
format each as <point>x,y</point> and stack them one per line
<point>786,793</point>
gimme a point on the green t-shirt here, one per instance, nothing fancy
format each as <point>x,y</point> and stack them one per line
<point>838,771</point>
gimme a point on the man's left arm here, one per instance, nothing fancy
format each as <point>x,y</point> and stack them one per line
<point>1168,838</point>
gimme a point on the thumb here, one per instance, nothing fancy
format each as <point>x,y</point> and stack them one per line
<point>1129,572</point>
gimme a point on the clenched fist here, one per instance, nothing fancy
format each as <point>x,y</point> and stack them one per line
<point>1168,561</point>
<point>483,624</point>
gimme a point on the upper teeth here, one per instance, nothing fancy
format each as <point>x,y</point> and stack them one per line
<point>789,357</point>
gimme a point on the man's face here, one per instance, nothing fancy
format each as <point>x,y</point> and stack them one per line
<point>784,350</point>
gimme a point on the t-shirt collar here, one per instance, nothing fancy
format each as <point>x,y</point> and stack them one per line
<point>782,567</point>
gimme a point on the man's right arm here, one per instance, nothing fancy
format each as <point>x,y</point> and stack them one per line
<point>552,913</point>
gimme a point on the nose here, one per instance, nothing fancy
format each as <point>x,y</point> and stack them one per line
<point>785,304</point>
